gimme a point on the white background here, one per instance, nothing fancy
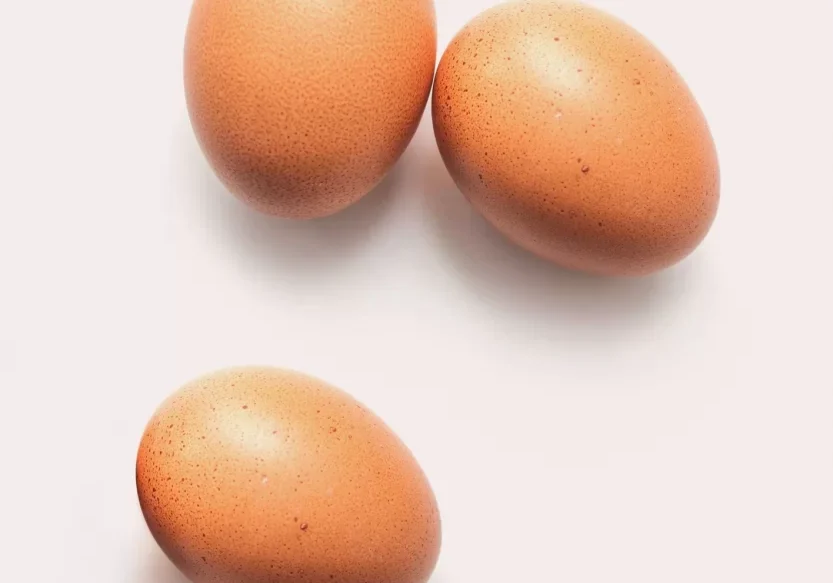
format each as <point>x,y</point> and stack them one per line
<point>671,429</point>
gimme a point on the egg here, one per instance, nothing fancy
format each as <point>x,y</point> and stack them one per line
<point>301,107</point>
<point>576,138</point>
<point>263,475</point>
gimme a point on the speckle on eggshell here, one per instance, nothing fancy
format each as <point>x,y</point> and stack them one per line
<point>222,488</point>
<point>602,94</point>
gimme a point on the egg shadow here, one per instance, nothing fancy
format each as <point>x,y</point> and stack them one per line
<point>157,568</point>
<point>300,247</point>
<point>532,291</point>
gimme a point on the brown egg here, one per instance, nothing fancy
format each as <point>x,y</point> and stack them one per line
<point>302,107</point>
<point>260,475</point>
<point>576,138</point>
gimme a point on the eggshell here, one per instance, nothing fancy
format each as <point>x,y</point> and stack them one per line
<point>576,138</point>
<point>260,475</point>
<point>301,107</point>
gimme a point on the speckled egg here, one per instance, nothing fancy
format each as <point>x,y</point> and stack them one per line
<point>301,107</point>
<point>576,138</point>
<point>261,475</point>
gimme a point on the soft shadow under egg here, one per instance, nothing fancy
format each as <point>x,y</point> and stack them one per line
<point>274,245</point>
<point>532,291</point>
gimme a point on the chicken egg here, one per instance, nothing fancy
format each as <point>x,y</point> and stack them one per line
<point>576,138</point>
<point>263,475</point>
<point>302,107</point>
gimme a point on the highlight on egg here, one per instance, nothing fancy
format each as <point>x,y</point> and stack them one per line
<point>301,107</point>
<point>261,475</point>
<point>576,138</point>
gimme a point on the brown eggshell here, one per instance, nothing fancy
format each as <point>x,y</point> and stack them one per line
<point>260,475</point>
<point>302,107</point>
<point>576,138</point>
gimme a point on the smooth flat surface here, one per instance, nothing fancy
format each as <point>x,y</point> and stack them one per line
<point>671,429</point>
